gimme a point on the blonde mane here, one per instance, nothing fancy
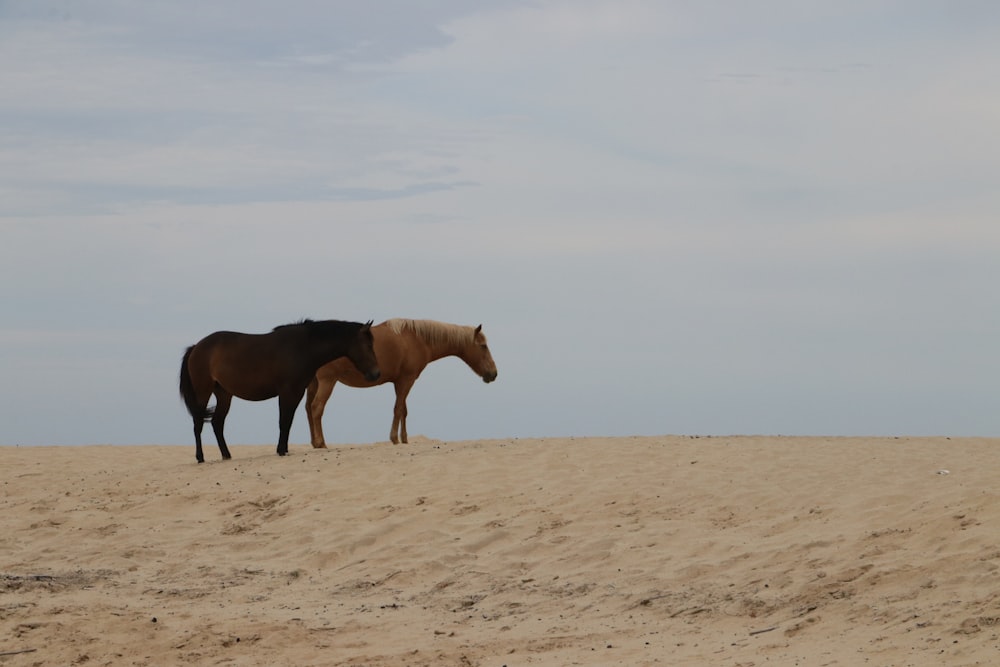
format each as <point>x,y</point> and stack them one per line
<point>433,332</point>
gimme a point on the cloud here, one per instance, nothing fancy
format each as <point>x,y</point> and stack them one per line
<point>111,107</point>
<point>686,217</point>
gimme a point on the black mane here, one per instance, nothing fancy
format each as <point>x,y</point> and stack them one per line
<point>321,326</point>
<point>304,320</point>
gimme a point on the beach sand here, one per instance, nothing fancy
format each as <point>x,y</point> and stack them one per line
<point>724,551</point>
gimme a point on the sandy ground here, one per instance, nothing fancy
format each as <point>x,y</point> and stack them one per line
<point>730,551</point>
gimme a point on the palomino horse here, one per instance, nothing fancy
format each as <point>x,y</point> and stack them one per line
<point>256,367</point>
<point>404,348</point>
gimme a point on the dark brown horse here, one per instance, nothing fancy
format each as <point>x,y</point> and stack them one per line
<point>404,348</point>
<point>256,367</point>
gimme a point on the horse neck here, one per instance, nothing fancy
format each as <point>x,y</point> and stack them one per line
<point>442,347</point>
<point>328,349</point>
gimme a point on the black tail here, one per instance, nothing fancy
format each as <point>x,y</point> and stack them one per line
<point>187,391</point>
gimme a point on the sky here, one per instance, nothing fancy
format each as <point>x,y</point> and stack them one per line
<point>778,217</point>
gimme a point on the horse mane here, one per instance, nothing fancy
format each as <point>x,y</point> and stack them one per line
<point>434,332</point>
<point>304,320</point>
<point>314,326</point>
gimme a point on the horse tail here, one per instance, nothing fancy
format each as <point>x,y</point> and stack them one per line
<point>188,393</point>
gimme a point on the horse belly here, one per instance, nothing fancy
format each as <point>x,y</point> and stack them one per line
<point>259,395</point>
<point>344,371</point>
<point>249,383</point>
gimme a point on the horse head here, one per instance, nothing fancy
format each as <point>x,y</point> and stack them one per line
<point>362,353</point>
<point>479,358</point>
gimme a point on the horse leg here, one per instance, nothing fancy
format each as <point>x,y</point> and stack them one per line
<point>399,411</point>
<point>199,423</point>
<point>196,389</point>
<point>317,395</point>
<point>310,395</point>
<point>198,454</point>
<point>223,400</point>
<point>288,403</point>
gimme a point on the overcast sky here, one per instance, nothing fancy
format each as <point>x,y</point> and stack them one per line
<point>670,217</point>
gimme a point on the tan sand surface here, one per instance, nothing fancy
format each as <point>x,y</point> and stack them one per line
<point>724,551</point>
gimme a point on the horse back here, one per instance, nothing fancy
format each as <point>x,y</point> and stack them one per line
<point>253,367</point>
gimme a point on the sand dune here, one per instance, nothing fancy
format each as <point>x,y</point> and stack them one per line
<point>732,551</point>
